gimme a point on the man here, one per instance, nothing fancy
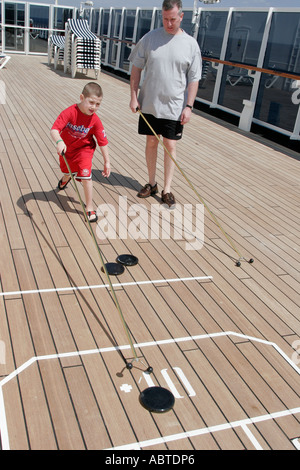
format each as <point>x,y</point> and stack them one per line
<point>172,62</point>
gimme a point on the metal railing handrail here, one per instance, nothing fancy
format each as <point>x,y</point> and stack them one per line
<point>252,67</point>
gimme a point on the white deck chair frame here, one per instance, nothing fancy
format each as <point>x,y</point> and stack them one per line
<point>3,60</point>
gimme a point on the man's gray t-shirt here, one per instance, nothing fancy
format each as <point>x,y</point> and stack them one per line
<point>171,62</point>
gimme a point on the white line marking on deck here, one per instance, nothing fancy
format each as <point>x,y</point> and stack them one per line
<point>251,437</point>
<point>296,443</point>
<point>101,286</point>
<point>174,437</point>
<point>3,424</point>
<point>209,430</point>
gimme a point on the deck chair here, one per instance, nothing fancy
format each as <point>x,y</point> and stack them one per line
<point>240,76</point>
<point>56,46</point>
<point>82,48</point>
<point>3,60</point>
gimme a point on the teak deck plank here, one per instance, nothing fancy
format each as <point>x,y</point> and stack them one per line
<point>238,390</point>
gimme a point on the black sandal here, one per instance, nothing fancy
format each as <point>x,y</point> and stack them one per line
<point>61,185</point>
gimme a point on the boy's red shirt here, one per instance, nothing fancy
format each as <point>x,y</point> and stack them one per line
<point>79,131</point>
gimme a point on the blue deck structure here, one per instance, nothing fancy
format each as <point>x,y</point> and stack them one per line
<point>235,37</point>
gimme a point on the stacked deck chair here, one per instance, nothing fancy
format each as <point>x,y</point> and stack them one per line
<point>56,46</point>
<point>82,48</point>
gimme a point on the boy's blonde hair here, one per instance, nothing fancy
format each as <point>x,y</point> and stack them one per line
<point>92,88</point>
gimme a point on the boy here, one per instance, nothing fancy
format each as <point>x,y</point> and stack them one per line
<point>73,133</point>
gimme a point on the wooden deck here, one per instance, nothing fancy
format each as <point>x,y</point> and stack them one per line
<point>227,346</point>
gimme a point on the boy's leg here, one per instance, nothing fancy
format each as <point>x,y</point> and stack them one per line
<point>66,176</point>
<point>88,193</point>
<point>85,175</point>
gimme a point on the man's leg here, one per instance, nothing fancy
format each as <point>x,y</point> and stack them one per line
<point>151,157</point>
<point>169,165</point>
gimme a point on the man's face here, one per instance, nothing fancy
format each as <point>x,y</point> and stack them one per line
<point>172,20</point>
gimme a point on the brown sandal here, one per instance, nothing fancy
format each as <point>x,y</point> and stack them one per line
<point>168,199</point>
<point>148,190</point>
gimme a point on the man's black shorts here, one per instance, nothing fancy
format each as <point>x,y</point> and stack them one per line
<point>167,128</point>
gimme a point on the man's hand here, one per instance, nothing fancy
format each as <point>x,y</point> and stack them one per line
<point>134,105</point>
<point>185,115</point>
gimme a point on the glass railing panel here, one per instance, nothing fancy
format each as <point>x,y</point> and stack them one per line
<point>243,47</point>
<point>277,101</point>
<point>245,36</point>
<point>95,21</point>
<point>186,23</point>
<point>14,15</point>
<point>39,23</point>
<point>157,19</point>
<point>104,22</point>
<point>103,32</point>
<point>236,86</point>
<point>61,16</point>
<point>86,15</point>
<point>211,32</point>
<point>127,38</point>
<point>210,39</point>
<point>1,26</point>
<point>144,23</point>
<point>116,16</point>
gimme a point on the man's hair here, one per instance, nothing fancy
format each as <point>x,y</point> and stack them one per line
<point>169,4</point>
<point>92,88</point>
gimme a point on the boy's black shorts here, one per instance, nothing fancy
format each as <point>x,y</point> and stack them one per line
<point>166,127</point>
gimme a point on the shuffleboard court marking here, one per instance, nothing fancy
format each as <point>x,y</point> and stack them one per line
<point>138,445</point>
<point>102,286</point>
<point>244,423</point>
<point>296,443</point>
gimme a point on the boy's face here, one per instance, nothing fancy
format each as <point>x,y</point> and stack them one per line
<point>89,104</point>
